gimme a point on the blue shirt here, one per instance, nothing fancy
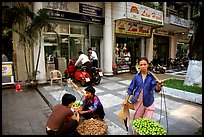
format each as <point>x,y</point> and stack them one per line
<point>148,87</point>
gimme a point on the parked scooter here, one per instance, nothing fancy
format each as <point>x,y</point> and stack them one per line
<point>178,64</point>
<point>156,67</point>
<point>78,74</point>
<point>97,74</point>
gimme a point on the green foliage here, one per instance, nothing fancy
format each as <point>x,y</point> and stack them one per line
<point>178,84</point>
<point>29,27</point>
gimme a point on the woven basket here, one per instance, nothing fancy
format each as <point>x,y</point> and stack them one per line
<point>92,127</point>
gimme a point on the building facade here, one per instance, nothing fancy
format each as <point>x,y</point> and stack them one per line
<point>120,33</point>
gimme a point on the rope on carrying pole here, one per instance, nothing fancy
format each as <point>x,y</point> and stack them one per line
<point>162,93</point>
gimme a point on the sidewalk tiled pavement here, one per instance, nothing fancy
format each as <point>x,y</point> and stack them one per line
<point>112,92</point>
<point>184,118</point>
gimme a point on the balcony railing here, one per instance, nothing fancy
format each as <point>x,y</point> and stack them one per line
<point>170,11</point>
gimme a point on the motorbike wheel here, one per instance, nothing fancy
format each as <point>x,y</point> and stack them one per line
<point>162,71</point>
<point>66,76</point>
<point>97,79</point>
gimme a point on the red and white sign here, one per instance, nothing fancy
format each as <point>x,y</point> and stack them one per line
<point>143,13</point>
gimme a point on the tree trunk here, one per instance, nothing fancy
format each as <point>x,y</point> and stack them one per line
<point>194,74</point>
<point>194,71</point>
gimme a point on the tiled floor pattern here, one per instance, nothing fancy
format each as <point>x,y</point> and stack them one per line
<point>112,92</point>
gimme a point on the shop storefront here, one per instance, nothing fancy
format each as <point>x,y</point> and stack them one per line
<point>183,44</point>
<point>161,49</point>
<point>133,31</point>
<point>75,30</point>
<point>128,47</point>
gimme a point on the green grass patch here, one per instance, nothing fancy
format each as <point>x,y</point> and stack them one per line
<point>178,84</point>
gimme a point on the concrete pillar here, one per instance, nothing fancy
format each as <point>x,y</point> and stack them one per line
<point>164,9</point>
<point>107,35</point>
<point>173,47</point>
<point>41,77</point>
<point>149,48</point>
<point>142,47</point>
<point>189,12</point>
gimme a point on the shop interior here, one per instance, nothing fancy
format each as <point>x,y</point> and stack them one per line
<point>127,51</point>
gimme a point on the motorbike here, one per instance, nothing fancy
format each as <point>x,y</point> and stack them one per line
<point>178,64</point>
<point>156,68</point>
<point>78,74</point>
<point>97,74</point>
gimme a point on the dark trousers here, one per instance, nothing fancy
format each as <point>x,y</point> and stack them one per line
<point>88,69</point>
<point>66,129</point>
<point>95,63</point>
<point>99,113</point>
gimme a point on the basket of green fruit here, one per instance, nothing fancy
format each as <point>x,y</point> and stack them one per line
<point>76,105</point>
<point>146,126</point>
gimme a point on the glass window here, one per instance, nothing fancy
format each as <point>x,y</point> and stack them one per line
<point>76,44</point>
<point>78,29</point>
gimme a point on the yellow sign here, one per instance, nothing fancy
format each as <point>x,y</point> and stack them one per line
<point>7,70</point>
<point>125,27</point>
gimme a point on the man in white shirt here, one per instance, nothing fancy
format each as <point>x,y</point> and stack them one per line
<point>93,57</point>
<point>84,60</point>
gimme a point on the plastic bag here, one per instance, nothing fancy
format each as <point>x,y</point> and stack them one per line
<point>124,116</point>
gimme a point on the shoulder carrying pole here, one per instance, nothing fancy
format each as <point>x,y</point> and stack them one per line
<point>79,89</point>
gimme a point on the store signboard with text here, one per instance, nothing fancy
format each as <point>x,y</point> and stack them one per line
<point>143,13</point>
<point>125,27</point>
<point>7,70</point>
<point>7,73</point>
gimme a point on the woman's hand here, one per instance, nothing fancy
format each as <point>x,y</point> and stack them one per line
<point>125,102</point>
<point>159,85</point>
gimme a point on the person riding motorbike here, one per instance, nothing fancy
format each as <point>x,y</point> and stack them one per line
<point>93,57</point>
<point>84,60</point>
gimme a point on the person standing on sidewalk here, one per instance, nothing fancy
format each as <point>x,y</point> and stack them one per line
<point>58,123</point>
<point>93,57</point>
<point>142,88</point>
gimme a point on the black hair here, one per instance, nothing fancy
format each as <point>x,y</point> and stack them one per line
<point>68,99</point>
<point>80,52</point>
<point>90,89</point>
<point>143,58</point>
<point>89,49</point>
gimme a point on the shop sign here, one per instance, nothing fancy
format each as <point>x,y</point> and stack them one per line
<point>90,10</point>
<point>75,16</point>
<point>143,13</point>
<point>161,32</point>
<point>179,21</point>
<point>125,27</point>
<point>56,5</point>
<point>183,38</point>
<point>7,70</point>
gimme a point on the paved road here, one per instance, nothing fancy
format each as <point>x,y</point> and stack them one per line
<point>26,113</point>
